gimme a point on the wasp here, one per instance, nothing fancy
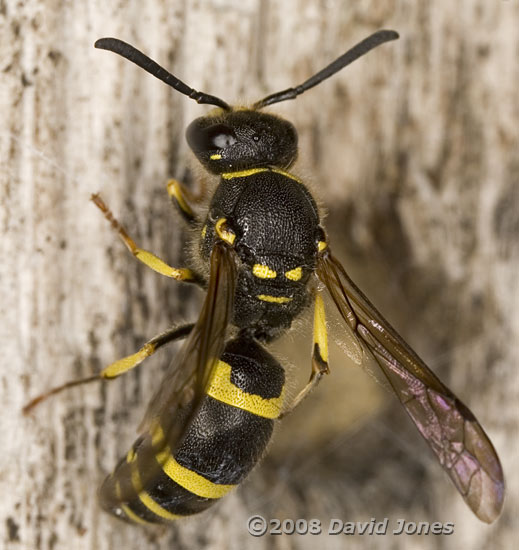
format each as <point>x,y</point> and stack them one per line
<point>263,257</point>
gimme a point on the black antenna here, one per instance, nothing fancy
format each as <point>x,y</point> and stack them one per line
<point>376,39</point>
<point>135,56</point>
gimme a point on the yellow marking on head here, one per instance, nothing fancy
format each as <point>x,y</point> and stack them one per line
<point>221,388</point>
<point>156,508</point>
<point>127,363</point>
<point>320,333</point>
<point>175,191</point>
<point>204,231</point>
<point>215,157</point>
<point>133,516</point>
<point>193,482</point>
<point>225,234</point>
<point>321,245</point>
<point>274,299</point>
<point>263,271</point>
<point>294,274</point>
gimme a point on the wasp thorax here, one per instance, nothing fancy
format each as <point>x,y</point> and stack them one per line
<point>242,139</point>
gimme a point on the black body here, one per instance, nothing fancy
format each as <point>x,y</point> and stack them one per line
<point>276,223</point>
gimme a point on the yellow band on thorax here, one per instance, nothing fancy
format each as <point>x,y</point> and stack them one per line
<point>252,171</point>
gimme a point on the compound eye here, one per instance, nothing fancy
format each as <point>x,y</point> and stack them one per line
<point>221,138</point>
<point>210,138</point>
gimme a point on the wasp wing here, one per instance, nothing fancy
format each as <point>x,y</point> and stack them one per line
<point>449,427</point>
<point>181,391</point>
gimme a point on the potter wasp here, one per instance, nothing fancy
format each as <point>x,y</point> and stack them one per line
<point>262,257</point>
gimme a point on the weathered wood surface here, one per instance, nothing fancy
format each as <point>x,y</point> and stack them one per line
<point>415,151</point>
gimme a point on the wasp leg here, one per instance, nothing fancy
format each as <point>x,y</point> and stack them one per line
<point>119,367</point>
<point>181,197</point>
<point>319,355</point>
<point>147,258</point>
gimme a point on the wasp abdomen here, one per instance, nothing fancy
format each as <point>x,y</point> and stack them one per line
<point>220,446</point>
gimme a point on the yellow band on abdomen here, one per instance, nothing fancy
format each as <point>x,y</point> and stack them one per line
<point>193,482</point>
<point>222,389</point>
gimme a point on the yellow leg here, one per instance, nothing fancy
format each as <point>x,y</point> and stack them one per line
<point>147,258</point>
<point>119,367</point>
<point>319,355</point>
<point>129,362</point>
<point>181,197</point>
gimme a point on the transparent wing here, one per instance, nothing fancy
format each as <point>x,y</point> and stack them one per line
<point>449,427</point>
<point>182,388</point>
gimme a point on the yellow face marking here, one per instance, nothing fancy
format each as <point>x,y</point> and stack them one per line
<point>193,482</point>
<point>221,388</point>
<point>204,231</point>
<point>320,333</point>
<point>224,233</point>
<point>215,157</point>
<point>127,363</point>
<point>322,245</point>
<point>294,274</point>
<point>263,272</point>
<point>274,299</point>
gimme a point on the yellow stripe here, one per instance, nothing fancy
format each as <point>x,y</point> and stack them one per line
<point>294,274</point>
<point>263,271</point>
<point>131,456</point>
<point>320,334</point>
<point>157,435</point>
<point>146,499</point>
<point>222,389</point>
<point>136,478</point>
<point>274,299</point>
<point>243,173</point>
<point>193,482</point>
<point>157,509</point>
<point>252,171</point>
<point>133,516</point>
<point>286,174</point>
<point>215,157</point>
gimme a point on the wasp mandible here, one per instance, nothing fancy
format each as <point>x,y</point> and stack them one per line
<point>263,257</point>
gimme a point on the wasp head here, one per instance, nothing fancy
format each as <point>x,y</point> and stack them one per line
<point>239,139</point>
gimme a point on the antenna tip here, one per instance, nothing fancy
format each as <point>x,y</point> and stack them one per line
<point>104,43</point>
